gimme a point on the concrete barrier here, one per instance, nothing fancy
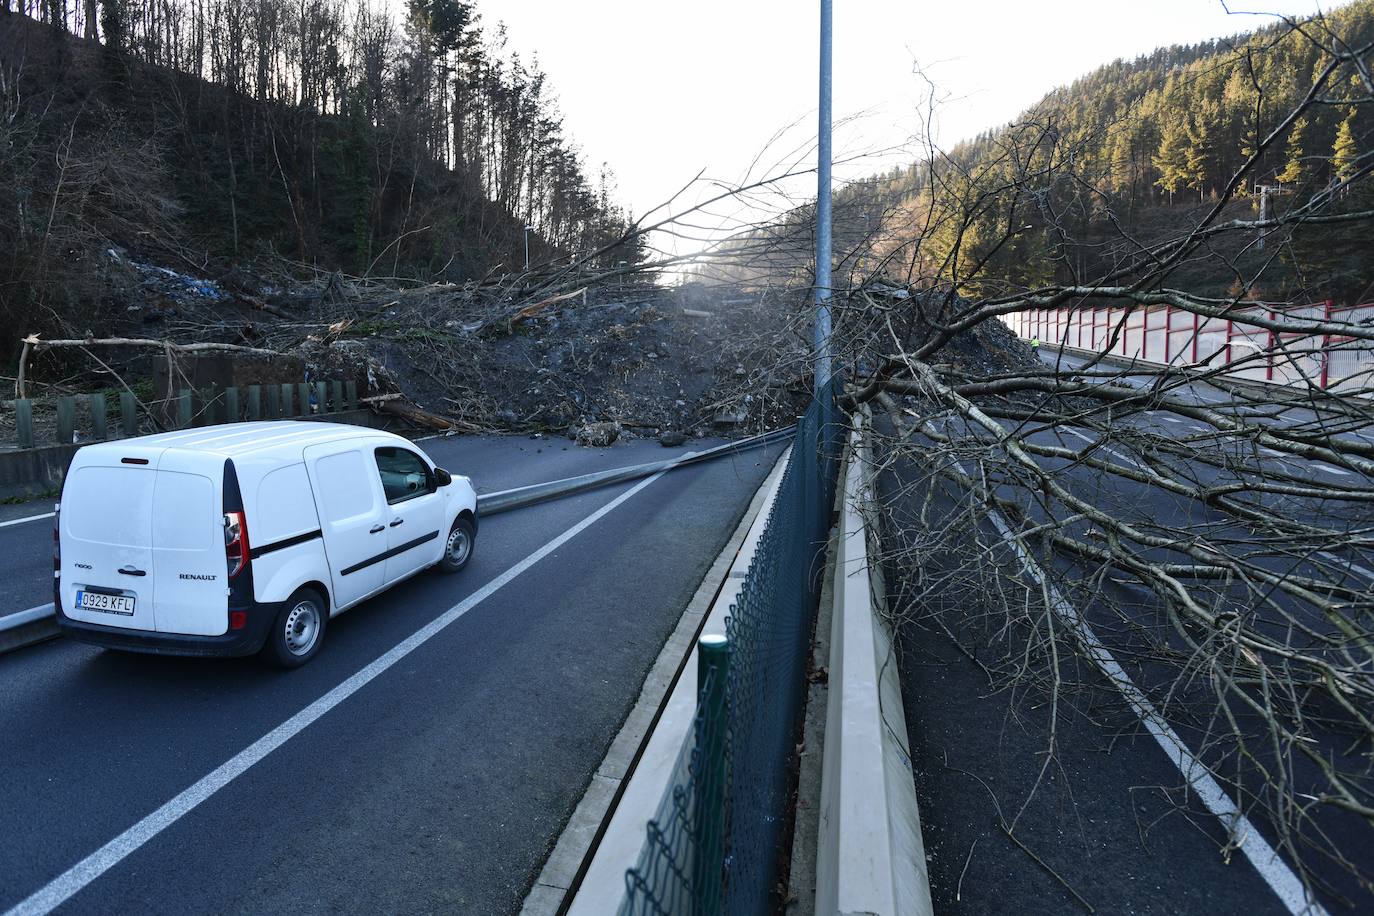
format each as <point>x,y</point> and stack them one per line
<point>870,858</point>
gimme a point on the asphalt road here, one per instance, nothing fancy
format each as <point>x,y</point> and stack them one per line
<point>438,786</point>
<point>1104,823</point>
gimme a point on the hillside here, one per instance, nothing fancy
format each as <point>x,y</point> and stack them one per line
<point>1134,153</point>
<point>1126,158</point>
<point>278,139</point>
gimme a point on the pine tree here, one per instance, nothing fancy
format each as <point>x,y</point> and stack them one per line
<point>1297,168</point>
<point>1172,158</point>
<point>1345,151</point>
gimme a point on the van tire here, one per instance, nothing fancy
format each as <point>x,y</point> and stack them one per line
<point>298,632</point>
<point>458,546</point>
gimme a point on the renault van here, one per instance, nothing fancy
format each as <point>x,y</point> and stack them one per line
<point>248,537</point>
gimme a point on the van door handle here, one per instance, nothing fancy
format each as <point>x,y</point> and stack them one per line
<point>395,522</point>
<point>130,571</point>
<point>376,529</point>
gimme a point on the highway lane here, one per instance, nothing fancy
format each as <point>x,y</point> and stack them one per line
<point>438,786</point>
<point>1095,821</point>
<point>494,462</point>
<point>1100,820</point>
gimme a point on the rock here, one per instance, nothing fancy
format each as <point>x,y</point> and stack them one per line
<point>597,435</point>
<point>671,438</point>
<point>728,418</point>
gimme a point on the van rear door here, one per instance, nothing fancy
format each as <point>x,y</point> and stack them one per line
<point>192,595</point>
<point>106,527</point>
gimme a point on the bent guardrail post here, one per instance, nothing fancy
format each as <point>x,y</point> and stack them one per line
<point>708,814</point>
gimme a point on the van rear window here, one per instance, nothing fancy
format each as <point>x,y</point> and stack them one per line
<point>109,505</point>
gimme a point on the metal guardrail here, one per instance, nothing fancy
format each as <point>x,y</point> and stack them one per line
<point>715,844</point>
<point>37,624</point>
<point>189,407</point>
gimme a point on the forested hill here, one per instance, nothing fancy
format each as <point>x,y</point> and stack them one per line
<point>1132,152</point>
<point>327,133</point>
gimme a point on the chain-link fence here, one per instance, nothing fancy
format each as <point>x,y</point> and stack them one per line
<point>716,842</point>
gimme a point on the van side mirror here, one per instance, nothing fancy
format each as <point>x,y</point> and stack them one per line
<point>442,478</point>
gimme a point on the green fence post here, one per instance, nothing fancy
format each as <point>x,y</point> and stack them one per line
<point>303,390</point>
<point>98,428</point>
<point>273,402</point>
<point>209,407</point>
<point>231,405</point>
<point>322,397</point>
<point>23,422</point>
<point>184,408</point>
<point>350,395</point>
<point>286,396</point>
<point>336,396</point>
<point>708,816</point>
<point>128,413</point>
<point>255,402</point>
<point>66,419</point>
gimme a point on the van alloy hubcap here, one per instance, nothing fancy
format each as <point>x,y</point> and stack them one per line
<point>458,545</point>
<point>302,628</point>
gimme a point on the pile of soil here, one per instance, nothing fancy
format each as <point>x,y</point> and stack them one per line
<point>637,358</point>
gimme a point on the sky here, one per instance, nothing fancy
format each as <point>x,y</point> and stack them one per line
<point>664,90</point>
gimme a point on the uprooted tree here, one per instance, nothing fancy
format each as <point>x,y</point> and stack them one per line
<point>1223,555</point>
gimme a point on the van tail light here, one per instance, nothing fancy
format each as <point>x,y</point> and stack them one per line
<point>56,541</point>
<point>236,550</point>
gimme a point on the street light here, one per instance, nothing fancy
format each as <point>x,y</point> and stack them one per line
<point>528,230</point>
<point>823,282</point>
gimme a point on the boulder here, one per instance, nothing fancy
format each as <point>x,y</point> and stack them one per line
<point>597,435</point>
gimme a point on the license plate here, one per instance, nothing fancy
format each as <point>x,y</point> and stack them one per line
<point>107,604</point>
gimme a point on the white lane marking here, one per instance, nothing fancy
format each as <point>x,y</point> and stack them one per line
<point>1171,420</point>
<point>1106,448</point>
<point>31,518</point>
<point>1275,872</point>
<point>61,888</point>
<point>1350,565</point>
<point>1331,469</point>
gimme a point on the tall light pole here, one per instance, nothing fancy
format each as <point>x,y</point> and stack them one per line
<point>528,230</point>
<point>823,243</point>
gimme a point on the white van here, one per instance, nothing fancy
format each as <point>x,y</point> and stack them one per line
<point>247,537</point>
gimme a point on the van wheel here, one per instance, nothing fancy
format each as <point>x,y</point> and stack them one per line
<point>458,547</point>
<point>298,631</point>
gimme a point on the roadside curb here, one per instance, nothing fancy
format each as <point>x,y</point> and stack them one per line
<point>605,833</point>
<point>870,857</point>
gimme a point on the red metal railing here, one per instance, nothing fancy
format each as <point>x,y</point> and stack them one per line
<point>1165,335</point>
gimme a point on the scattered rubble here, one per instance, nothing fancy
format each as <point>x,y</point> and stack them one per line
<point>594,362</point>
